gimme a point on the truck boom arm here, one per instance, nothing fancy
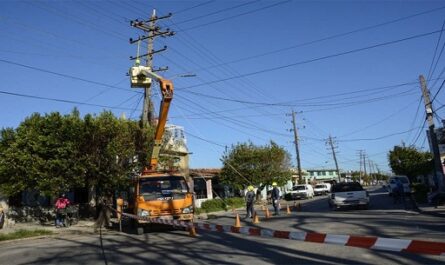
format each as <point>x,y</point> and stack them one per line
<point>139,78</point>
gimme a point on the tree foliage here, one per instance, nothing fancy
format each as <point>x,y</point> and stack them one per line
<point>247,164</point>
<point>410,162</point>
<point>54,153</point>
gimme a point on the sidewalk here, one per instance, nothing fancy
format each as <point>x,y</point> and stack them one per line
<point>83,226</point>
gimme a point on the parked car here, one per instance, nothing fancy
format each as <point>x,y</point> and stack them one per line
<point>346,194</point>
<point>392,184</point>
<point>302,191</point>
<point>322,189</point>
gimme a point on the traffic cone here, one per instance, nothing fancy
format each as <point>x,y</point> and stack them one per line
<point>255,218</point>
<point>288,209</point>
<point>237,222</point>
<point>192,230</point>
<point>267,213</point>
<point>263,207</point>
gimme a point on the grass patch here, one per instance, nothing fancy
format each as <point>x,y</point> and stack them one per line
<point>22,233</point>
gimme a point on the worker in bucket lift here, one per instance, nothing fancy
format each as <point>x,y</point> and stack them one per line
<point>250,197</point>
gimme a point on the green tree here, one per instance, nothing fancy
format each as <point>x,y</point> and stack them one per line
<point>41,154</point>
<point>247,164</point>
<point>109,148</point>
<point>410,162</point>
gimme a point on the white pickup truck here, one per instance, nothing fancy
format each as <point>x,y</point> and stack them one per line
<point>347,194</point>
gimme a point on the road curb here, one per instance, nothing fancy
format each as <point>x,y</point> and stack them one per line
<point>369,242</point>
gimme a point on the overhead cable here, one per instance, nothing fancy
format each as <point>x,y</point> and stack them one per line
<point>314,60</point>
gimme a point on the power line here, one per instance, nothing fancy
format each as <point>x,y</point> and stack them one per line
<point>66,76</point>
<point>235,16</point>
<point>323,39</point>
<point>431,71</point>
<point>215,12</point>
<point>315,59</point>
<point>440,88</point>
<point>283,104</point>
<point>205,140</point>
<point>378,138</point>
<point>192,7</point>
<point>61,100</point>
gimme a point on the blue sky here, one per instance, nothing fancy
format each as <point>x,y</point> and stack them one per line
<point>255,62</point>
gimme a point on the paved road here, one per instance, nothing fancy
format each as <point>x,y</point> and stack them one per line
<point>176,247</point>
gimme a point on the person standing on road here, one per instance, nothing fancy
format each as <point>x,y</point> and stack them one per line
<point>250,197</point>
<point>276,198</point>
<point>103,218</point>
<point>61,203</point>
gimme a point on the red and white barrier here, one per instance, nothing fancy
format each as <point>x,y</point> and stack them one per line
<point>380,243</point>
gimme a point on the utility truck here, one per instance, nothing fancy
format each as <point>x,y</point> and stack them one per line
<point>157,193</point>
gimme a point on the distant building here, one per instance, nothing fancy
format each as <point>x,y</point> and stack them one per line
<point>321,175</point>
<point>177,146</point>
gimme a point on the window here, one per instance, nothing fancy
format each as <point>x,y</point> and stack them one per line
<point>331,173</point>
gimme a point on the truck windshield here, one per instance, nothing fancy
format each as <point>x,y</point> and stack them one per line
<point>320,186</point>
<point>163,188</point>
<point>299,188</point>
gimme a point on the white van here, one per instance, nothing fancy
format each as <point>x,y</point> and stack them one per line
<point>302,191</point>
<point>392,184</point>
<point>322,188</point>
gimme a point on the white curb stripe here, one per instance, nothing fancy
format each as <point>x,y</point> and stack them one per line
<point>391,244</point>
<point>266,232</point>
<point>336,239</point>
<point>227,228</point>
<point>297,235</point>
<point>244,230</point>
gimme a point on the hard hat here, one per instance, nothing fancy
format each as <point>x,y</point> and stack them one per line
<point>250,187</point>
<point>274,184</point>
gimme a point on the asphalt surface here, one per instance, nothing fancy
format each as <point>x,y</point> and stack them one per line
<point>166,246</point>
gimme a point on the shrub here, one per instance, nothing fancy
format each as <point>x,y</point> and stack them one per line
<point>235,202</point>
<point>220,205</point>
<point>213,205</point>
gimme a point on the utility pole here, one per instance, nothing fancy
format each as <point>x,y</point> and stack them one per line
<point>151,31</point>
<point>360,172</point>
<point>335,157</point>
<point>297,149</point>
<point>364,165</point>
<point>438,173</point>
<point>370,169</point>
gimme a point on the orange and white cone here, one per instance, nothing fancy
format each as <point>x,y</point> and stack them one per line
<point>255,218</point>
<point>237,221</point>
<point>267,213</point>
<point>288,209</point>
